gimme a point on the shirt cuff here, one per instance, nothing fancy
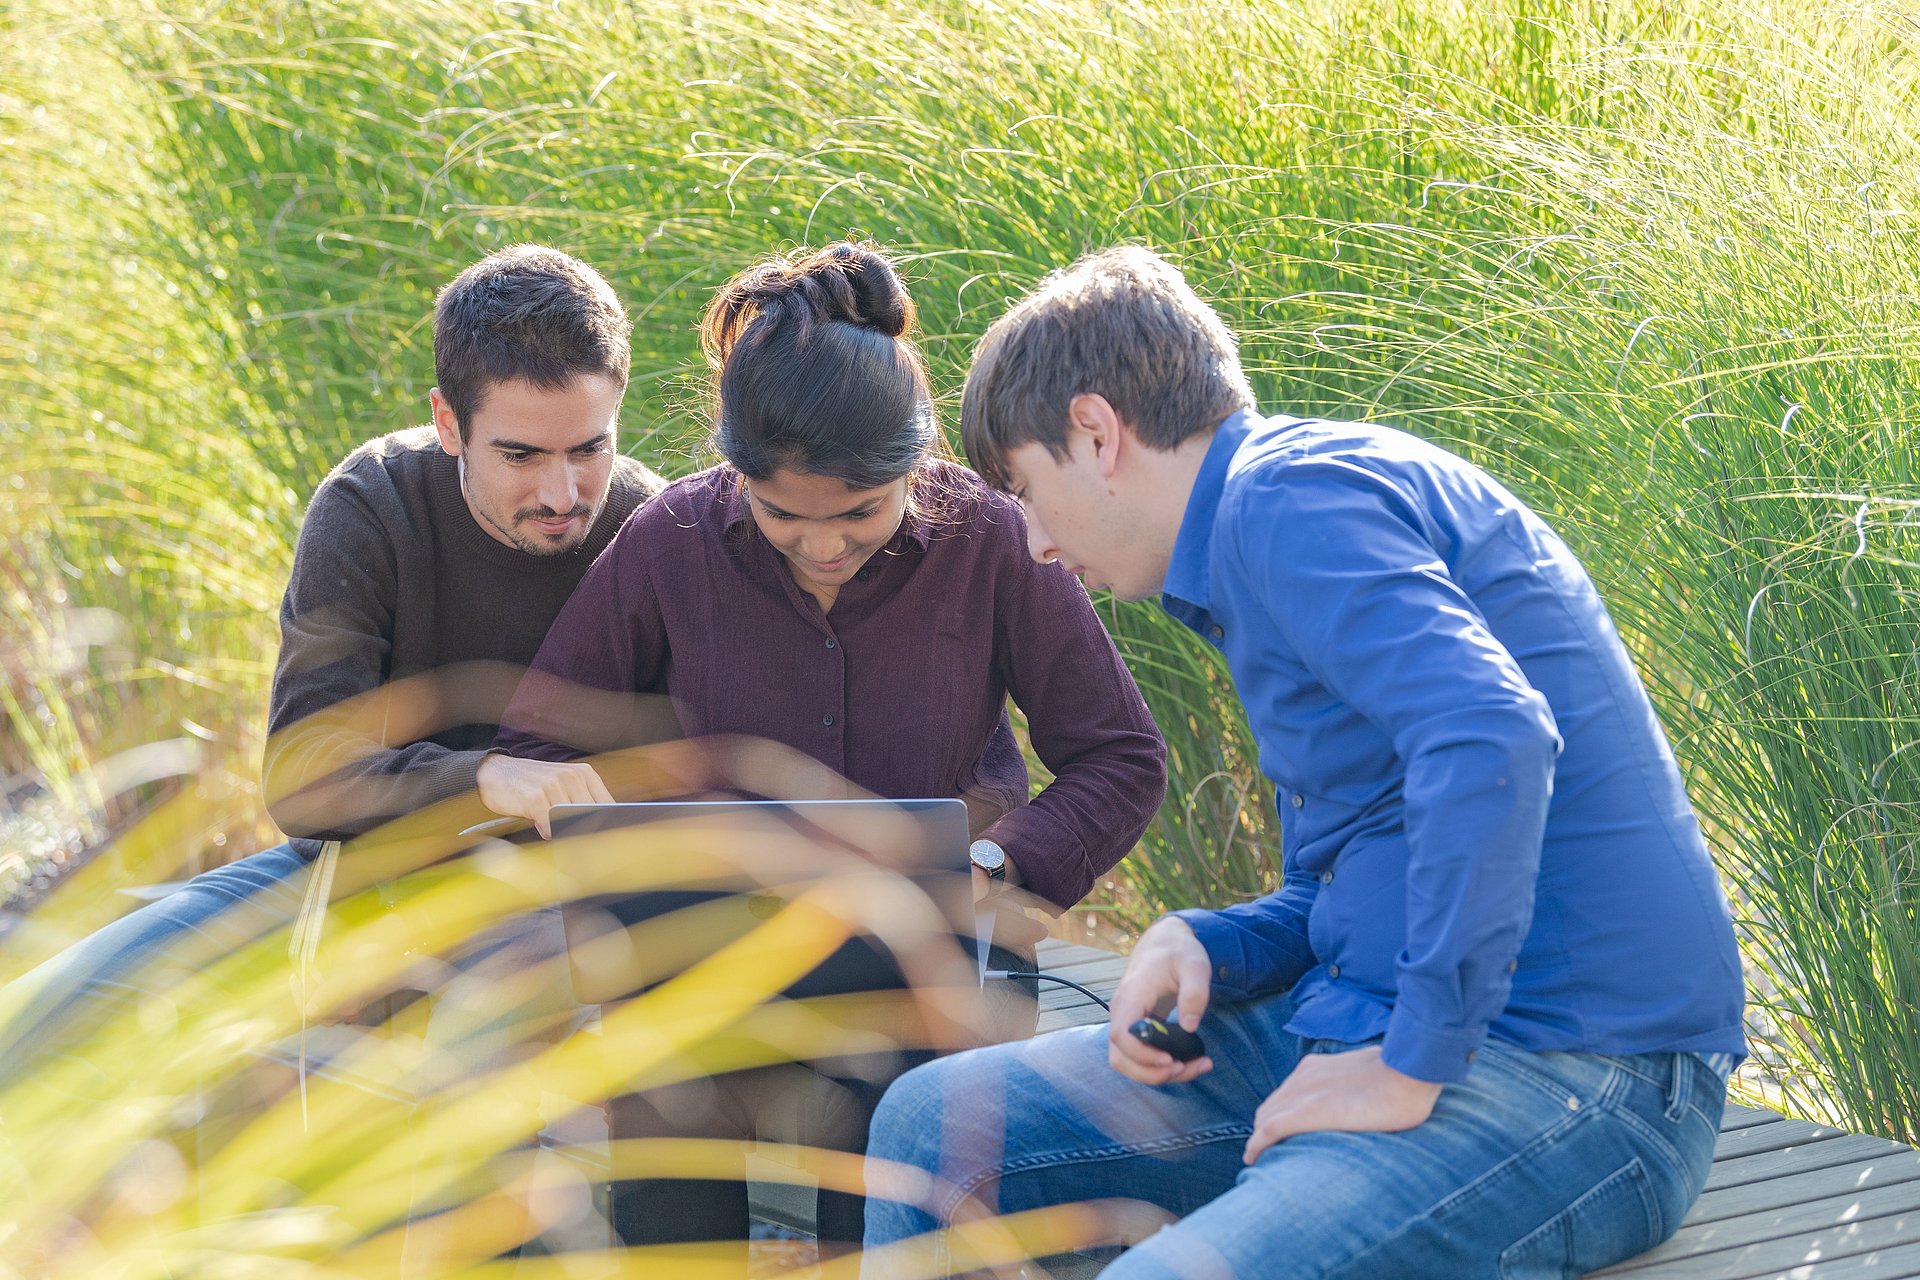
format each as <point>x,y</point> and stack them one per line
<point>1052,864</point>
<point>1438,1055</point>
<point>1226,958</point>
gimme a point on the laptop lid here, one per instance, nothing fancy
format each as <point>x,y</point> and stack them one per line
<point>665,883</point>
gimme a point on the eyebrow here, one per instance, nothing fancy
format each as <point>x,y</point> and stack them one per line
<point>841,515</point>
<point>519,446</point>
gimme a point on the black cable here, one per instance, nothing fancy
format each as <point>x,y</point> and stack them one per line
<point>1048,977</point>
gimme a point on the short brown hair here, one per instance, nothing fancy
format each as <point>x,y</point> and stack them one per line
<point>1123,324</point>
<point>525,313</point>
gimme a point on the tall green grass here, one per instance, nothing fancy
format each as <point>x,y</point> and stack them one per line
<point>1653,263</point>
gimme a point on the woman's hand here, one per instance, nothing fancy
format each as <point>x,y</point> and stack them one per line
<point>516,788</point>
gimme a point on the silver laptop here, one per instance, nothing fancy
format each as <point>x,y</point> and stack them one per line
<point>734,863</point>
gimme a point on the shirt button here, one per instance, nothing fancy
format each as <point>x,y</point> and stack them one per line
<point>1333,971</point>
<point>1223,971</point>
<point>1298,799</point>
<point>827,719</point>
<point>1326,877</point>
<point>832,643</point>
<point>1513,966</point>
<point>864,574</point>
<point>1218,633</point>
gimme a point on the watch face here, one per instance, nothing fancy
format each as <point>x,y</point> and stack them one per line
<point>988,856</point>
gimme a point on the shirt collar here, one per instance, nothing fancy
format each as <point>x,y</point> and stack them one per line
<point>736,509</point>
<point>1188,588</point>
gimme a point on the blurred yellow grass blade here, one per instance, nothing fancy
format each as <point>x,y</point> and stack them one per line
<point>211,1026</point>
<point>471,1125</point>
<point>1010,1241</point>
<point>487,1225</point>
<point>651,1027</point>
<point>153,849</point>
<point>721,1261</point>
<point>440,907</point>
<point>363,962</point>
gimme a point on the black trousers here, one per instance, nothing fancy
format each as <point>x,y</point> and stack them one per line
<point>829,1107</point>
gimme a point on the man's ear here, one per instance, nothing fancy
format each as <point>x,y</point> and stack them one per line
<point>446,423</point>
<point>1095,422</point>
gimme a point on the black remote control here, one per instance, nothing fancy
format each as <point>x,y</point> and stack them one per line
<point>1171,1036</point>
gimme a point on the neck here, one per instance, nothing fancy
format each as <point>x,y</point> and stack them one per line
<point>1169,480</point>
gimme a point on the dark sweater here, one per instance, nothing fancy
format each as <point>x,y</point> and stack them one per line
<point>403,634</point>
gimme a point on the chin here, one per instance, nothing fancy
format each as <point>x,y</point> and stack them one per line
<point>539,544</point>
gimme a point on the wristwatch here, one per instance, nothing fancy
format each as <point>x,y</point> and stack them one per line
<point>989,857</point>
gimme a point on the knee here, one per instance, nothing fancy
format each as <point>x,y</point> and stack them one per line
<point>907,1121</point>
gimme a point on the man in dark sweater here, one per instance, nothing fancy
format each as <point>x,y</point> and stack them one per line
<point>428,569</point>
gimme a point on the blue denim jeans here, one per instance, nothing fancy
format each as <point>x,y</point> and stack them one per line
<point>1537,1164</point>
<point>146,950</point>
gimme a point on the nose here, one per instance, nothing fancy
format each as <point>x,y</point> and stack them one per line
<point>823,546</point>
<point>559,487</point>
<point>1039,542</point>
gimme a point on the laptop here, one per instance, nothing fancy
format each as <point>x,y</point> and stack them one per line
<point>735,863</point>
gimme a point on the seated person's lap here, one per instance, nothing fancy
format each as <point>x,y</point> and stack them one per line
<point>147,950</point>
<point>1490,1175</point>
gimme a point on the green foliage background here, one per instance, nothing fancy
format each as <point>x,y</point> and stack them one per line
<point>1655,264</point>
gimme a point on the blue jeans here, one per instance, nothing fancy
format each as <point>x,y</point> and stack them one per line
<point>1538,1164</point>
<point>146,950</point>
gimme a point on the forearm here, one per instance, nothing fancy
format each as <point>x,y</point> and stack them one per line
<point>1085,820</point>
<point>342,761</point>
<point>375,787</point>
<point>1476,816</point>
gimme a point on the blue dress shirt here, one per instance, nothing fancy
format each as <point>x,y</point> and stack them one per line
<point>1484,829</point>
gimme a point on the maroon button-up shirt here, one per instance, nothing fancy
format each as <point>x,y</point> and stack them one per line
<point>901,687</point>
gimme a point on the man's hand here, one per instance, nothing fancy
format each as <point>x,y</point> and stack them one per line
<point>517,788</point>
<point>1168,968</point>
<point>1353,1092</point>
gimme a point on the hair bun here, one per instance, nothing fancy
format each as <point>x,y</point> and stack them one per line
<point>845,282</point>
<point>874,295</point>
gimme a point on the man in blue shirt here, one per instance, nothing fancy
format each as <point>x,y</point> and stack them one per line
<point>1484,1025</point>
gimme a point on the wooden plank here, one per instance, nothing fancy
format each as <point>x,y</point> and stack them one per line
<point>1055,953</point>
<point>1091,1015</point>
<point>1792,1235</point>
<point>1104,966</point>
<point>1899,1263</point>
<point>1805,1187</point>
<point>1819,1154</point>
<point>1061,1006</point>
<point>1739,1117</point>
<point>1755,1139</point>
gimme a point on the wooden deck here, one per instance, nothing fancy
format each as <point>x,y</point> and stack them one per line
<point>1786,1199</point>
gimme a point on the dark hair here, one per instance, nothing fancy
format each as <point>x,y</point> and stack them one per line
<point>1123,324</point>
<point>525,314</point>
<point>814,369</point>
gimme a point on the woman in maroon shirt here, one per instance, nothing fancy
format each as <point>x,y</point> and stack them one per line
<point>838,587</point>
